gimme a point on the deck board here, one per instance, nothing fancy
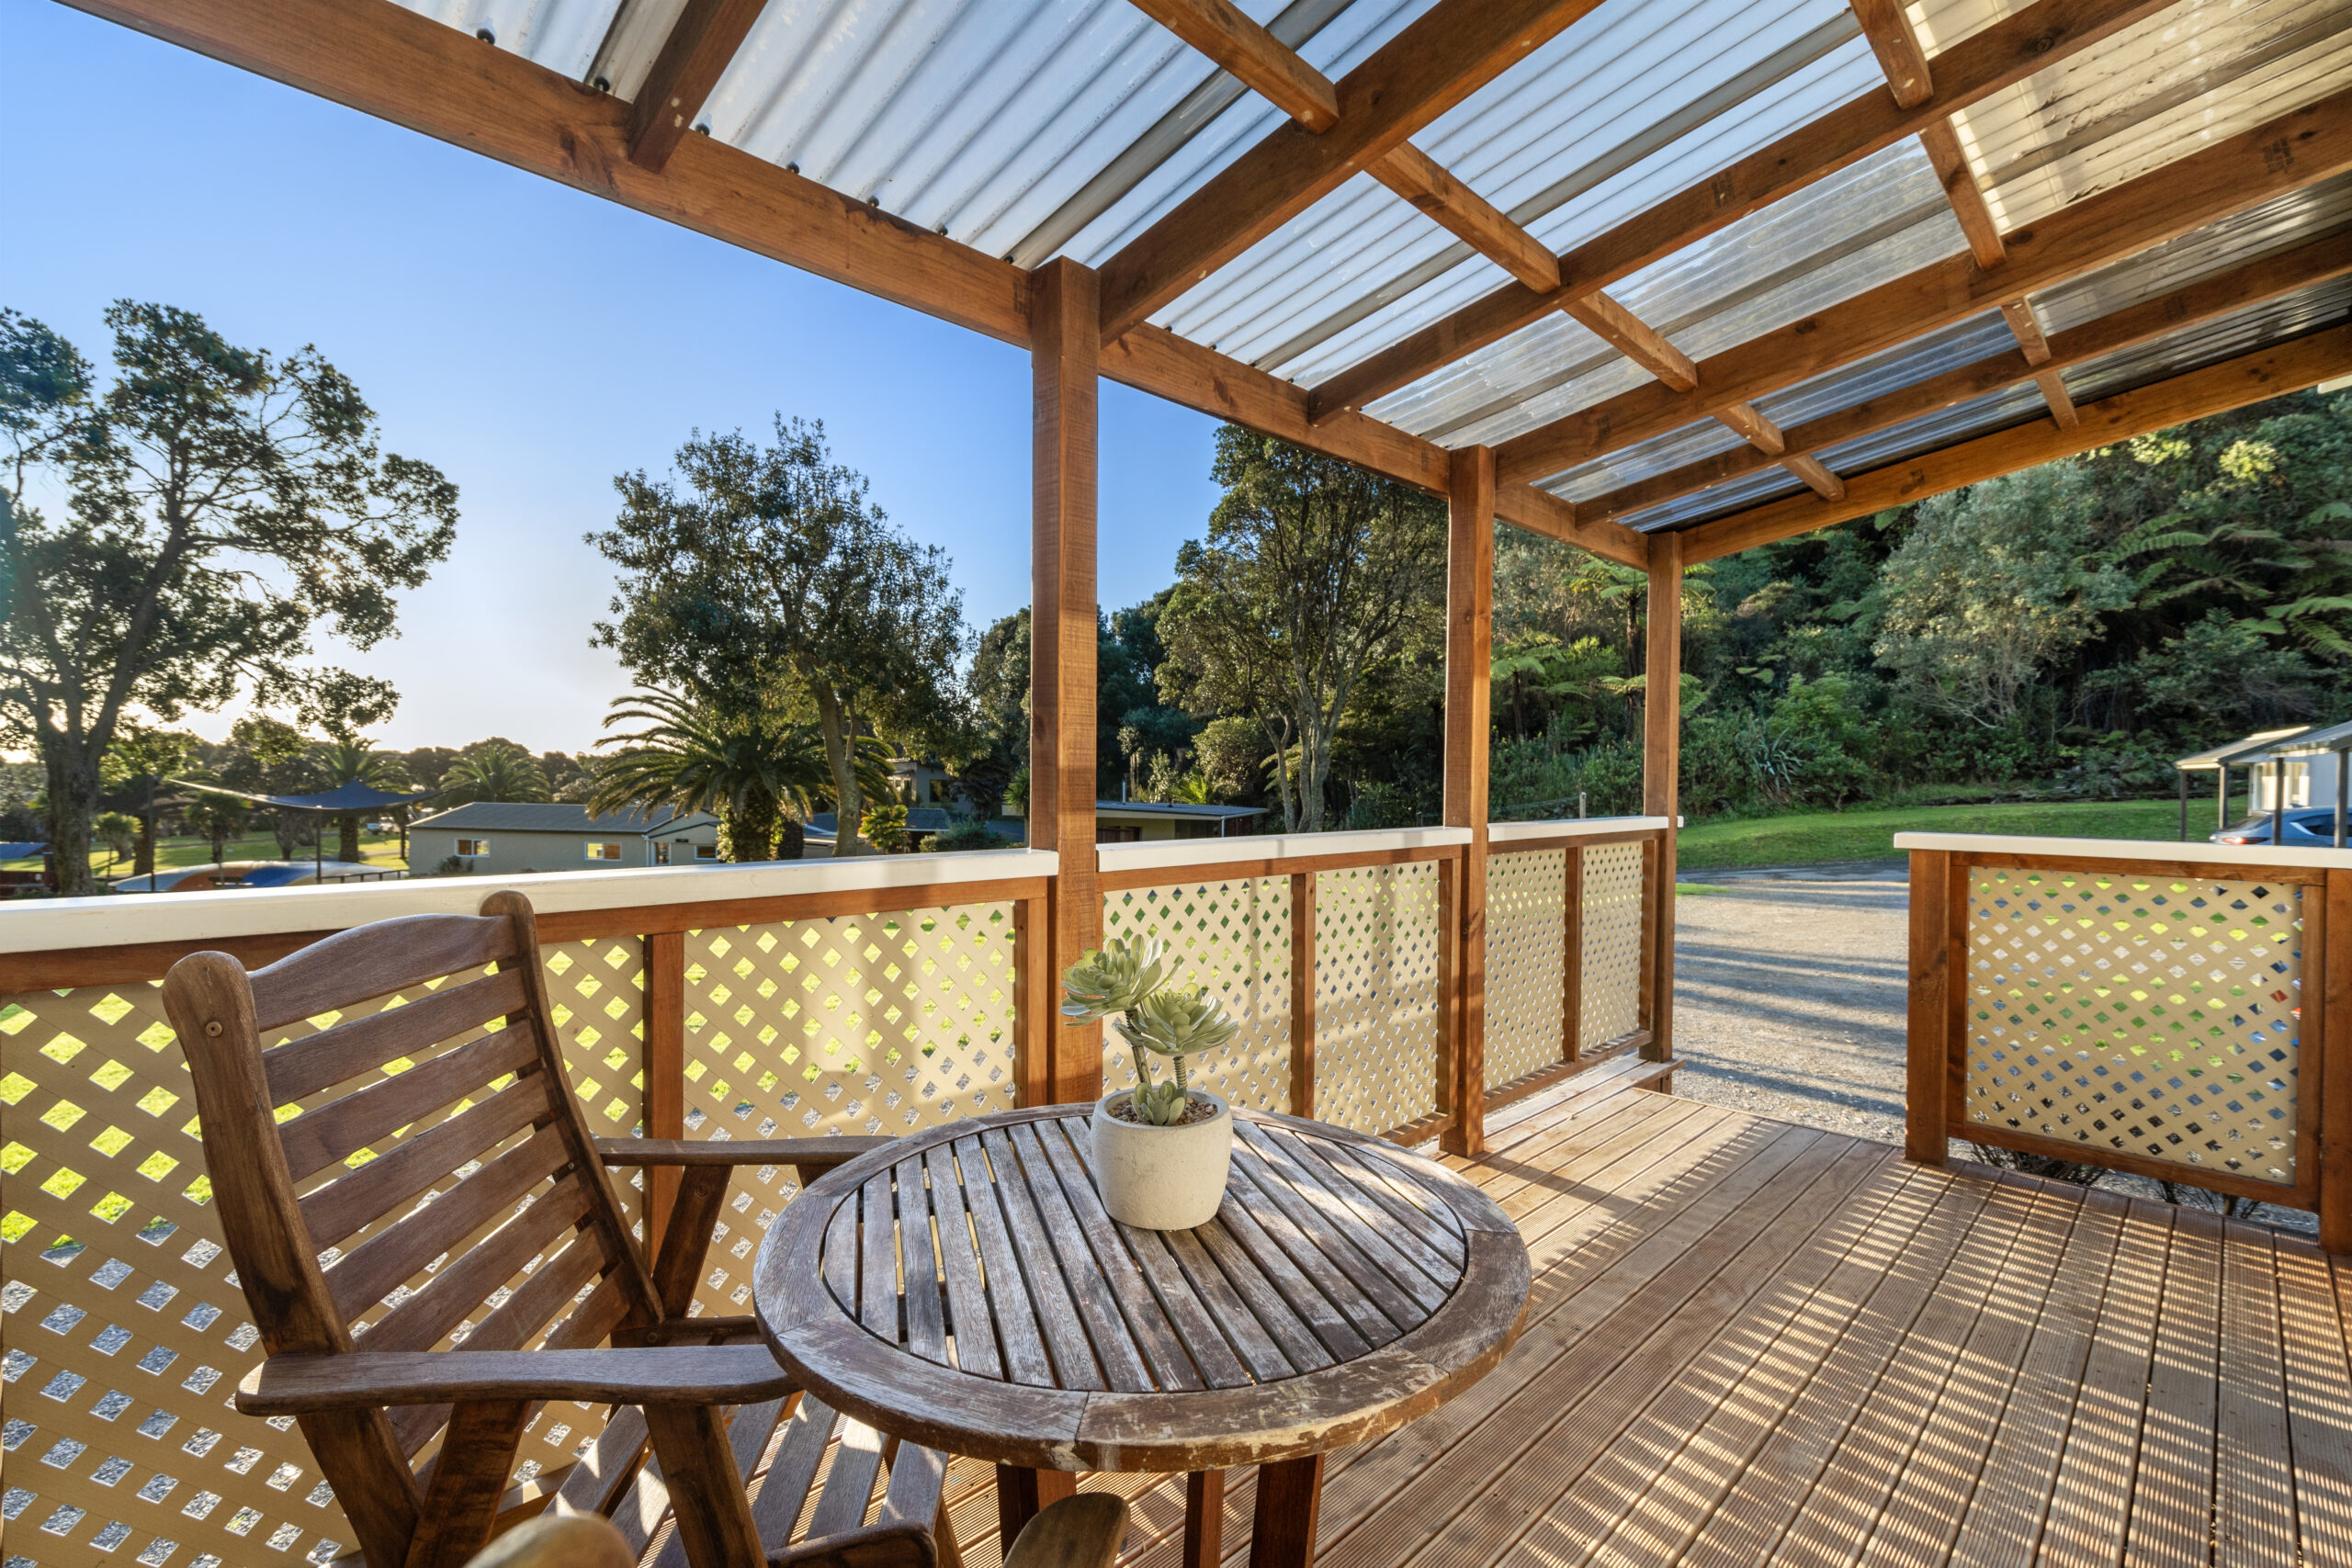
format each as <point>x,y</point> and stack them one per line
<point>1751,1343</point>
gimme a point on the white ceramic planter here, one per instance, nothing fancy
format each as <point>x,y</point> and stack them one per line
<point>1162,1178</point>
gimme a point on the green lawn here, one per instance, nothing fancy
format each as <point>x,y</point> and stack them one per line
<point>1869,835</point>
<point>174,853</point>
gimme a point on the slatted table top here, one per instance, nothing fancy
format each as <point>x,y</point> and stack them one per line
<point>975,1297</point>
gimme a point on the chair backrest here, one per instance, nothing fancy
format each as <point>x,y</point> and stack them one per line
<point>413,1174</point>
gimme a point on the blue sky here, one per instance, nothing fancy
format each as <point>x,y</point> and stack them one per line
<point>532,341</point>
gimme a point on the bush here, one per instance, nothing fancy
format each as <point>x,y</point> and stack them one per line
<point>452,867</point>
<point>884,827</point>
<point>1380,804</point>
<point>968,834</point>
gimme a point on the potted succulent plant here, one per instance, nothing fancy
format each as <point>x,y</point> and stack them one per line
<point>1163,1149</point>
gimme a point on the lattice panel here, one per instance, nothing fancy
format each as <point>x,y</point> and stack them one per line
<point>1526,961</point>
<point>1376,1024</point>
<point>1234,938</point>
<point>1612,944</point>
<point>860,1024</point>
<point>121,1442</point>
<point>2152,1018</point>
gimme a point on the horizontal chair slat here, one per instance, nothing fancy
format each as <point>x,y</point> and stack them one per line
<point>376,961</point>
<point>359,1197</point>
<point>320,1138</point>
<point>368,1272</point>
<point>300,1068</point>
<point>460,1289</point>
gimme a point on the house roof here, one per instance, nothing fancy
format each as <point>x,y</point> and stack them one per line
<point>557,817</point>
<point>1736,266</point>
<point>349,796</point>
<point>1173,809</point>
<point>2332,738</point>
<point>2252,749</point>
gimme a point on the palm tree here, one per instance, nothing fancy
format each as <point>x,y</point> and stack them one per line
<point>349,761</point>
<point>757,770</point>
<point>494,770</point>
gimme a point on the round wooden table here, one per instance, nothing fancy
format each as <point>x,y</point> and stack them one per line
<point>976,1298</point>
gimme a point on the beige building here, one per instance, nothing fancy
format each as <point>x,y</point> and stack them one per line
<point>510,836</point>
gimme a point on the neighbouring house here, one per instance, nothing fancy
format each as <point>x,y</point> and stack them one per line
<point>1139,821</point>
<point>506,836</point>
<point>2298,761</point>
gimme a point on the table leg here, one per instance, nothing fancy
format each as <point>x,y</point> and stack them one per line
<point>1021,1494</point>
<point>1289,1497</point>
<point>1204,1518</point>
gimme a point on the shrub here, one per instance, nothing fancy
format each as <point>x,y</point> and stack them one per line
<point>968,834</point>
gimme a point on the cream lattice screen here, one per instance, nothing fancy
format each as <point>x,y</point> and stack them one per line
<point>1526,961</point>
<point>1233,937</point>
<point>2149,1017</point>
<point>1612,943</point>
<point>880,1023</point>
<point>1376,974</point>
<point>124,1329</point>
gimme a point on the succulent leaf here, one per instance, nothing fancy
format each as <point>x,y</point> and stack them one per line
<point>1110,980</point>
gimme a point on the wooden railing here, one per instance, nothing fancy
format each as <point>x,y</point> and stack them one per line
<point>868,996</point>
<point>2185,1018</point>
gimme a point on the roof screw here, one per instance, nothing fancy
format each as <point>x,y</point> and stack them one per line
<point>603,84</point>
<point>486,35</point>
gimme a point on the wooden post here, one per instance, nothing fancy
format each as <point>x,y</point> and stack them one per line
<point>1065,342</point>
<point>1572,959</point>
<point>1661,769</point>
<point>1926,1116</point>
<point>1034,1014</point>
<point>1301,993</point>
<point>2333,968</point>
<point>665,1070</point>
<point>1469,661</point>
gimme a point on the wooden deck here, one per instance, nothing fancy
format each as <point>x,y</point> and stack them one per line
<point>1752,1342</point>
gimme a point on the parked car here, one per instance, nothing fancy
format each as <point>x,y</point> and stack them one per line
<point>2305,829</point>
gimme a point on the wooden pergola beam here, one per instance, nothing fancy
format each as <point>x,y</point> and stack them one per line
<point>1257,58</point>
<point>2205,301</point>
<point>2233,383</point>
<point>1469,217</point>
<point>1452,50</point>
<point>2283,155</point>
<point>386,60</point>
<point>2000,56</point>
<point>692,58</point>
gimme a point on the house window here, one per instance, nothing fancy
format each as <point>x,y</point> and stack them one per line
<point>660,855</point>
<point>603,851</point>
<point>473,848</point>
<point>705,851</point>
<point>1118,833</point>
<point>1196,830</point>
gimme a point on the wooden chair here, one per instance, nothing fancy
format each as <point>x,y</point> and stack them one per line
<point>592,1321</point>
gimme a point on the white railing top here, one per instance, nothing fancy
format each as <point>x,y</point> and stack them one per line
<point>51,925</point>
<point>2196,850</point>
<point>1182,853</point>
<point>1573,827</point>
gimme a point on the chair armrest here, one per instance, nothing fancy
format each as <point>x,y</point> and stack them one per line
<point>711,1374</point>
<point>813,1155</point>
<point>882,1545</point>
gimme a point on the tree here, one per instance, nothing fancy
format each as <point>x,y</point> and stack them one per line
<point>138,764</point>
<point>1994,584</point>
<point>771,573</point>
<point>219,818</point>
<point>351,760</point>
<point>1313,573</point>
<point>118,830</point>
<point>753,769</point>
<point>222,505</point>
<point>493,770</point>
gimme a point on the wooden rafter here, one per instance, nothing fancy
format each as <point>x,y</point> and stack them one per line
<point>2000,56</point>
<point>2268,373</point>
<point>2283,155</point>
<point>1258,60</point>
<point>1449,52</point>
<point>2201,301</point>
<point>1422,181</point>
<point>384,59</point>
<point>692,58</point>
<point>1903,59</point>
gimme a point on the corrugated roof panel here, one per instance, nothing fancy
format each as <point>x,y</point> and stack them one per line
<point>1875,222</point>
<point>1658,455</point>
<point>1963,342</point>
<point>561,35</point>
<point>2244,332</point>
<point>2197,72</point>
<point>1521,142</point>
<point>2281,224</point>
<point>1734,495</point>
<point>1961,422</point>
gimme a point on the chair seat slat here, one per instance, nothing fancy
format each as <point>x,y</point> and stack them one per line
<point>320,1138</point>
<point>748,1431</point>
<point>594,1484</point>
<point>849,1487</point>
<point>375,961</point>
<point>365,1195</point>
<point>300,1068</point>
<point>783,1496</point>
<point>368,1274</point>
<point>463,1287</point>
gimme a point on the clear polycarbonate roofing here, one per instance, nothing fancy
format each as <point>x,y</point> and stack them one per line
<point>1031,129</point>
